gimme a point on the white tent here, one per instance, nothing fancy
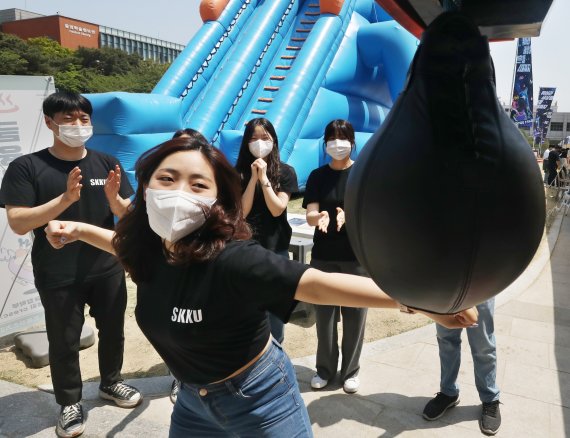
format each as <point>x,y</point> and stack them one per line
<point>22,130</point>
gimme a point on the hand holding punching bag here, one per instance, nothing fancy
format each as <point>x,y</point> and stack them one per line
<point>445,204</point>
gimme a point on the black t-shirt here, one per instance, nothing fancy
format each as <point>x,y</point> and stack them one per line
<point>326,186</point>
<point>273,233</point>
<point>207,320</point>
<point>37,178</point>
<point>553,158</point>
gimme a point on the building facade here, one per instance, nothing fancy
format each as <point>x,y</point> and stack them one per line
<point>72,33</point>
<point>559,130</point>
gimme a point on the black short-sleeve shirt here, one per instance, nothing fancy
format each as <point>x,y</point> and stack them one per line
<point>272,232</point>
<point>326,186</point>
<point>553,158</point>
<point>207,320</point>
<point>37,178</point>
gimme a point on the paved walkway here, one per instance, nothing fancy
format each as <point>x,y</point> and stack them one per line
<point>398,375</point>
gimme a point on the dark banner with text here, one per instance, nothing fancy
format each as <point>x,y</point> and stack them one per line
<point>522,103</point>
<point>543,113</point>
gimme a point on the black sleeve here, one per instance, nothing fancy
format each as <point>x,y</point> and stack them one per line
<point>311,189</point>
<point>262,277</point>
<point>18,185</point>
<point>287,179</point>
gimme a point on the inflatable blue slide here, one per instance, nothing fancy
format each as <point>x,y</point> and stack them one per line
<point>299,63</point>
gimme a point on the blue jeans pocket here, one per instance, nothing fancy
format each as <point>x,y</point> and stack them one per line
<point>270,381</point>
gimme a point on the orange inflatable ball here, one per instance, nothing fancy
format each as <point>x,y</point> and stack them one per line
<point>210,10</point>
<point>331,6</point>
<point>445,204</point>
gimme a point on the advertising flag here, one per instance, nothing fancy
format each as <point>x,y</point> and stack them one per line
<point>522,103</point>
<point>543,113</point>
<point>546,124</point>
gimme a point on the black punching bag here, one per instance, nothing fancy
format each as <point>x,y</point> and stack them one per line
<point>445,204</point>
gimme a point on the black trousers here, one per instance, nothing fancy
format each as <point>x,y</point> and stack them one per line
<point>64,315</point>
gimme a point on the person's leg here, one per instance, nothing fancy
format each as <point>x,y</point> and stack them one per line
<point>327,318</point>
<point>353,325</point>
<point>484,352</point>
<point>449,341</point>
<point>327,340</point>
<point>190,417</point>
<point>276,325</point>
<point>108,302</point>
<point>64,317</point>
<point>272,402</point>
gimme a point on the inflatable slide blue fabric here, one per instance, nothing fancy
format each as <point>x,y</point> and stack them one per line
<point>279,59</point>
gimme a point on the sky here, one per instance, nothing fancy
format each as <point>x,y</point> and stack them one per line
<point>177,20</point>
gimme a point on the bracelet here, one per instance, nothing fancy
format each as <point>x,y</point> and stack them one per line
<point>268,184</point>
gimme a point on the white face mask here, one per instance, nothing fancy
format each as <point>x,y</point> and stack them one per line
<point>173,214</point>
<point>74,135</point>
<point>339,149</point>
<point>260,148</point>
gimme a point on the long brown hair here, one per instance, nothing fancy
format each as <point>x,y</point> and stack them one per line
<point>134,240</point>
<point>245,157</point>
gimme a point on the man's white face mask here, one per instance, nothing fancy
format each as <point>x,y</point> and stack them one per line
<point>173,214</point>
<point>74,135</point>
<point>260,148</point>
<point>339,149</point>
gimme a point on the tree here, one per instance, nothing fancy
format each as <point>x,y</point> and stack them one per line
<point>107,61</point>
<point>83,71</point>
<point>12,64</point>
<point>72,79</point>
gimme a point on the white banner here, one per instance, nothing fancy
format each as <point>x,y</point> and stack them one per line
<point>22,130</point>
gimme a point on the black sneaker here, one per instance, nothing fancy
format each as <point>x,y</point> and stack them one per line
<point>122,394</point>
<point>437,406</point>
<point>490,418</point>
<point>174,391</point>
<point>70,421</point>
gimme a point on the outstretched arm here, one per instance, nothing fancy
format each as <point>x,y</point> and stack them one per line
<point>354,291</point>
<point>61,233</point>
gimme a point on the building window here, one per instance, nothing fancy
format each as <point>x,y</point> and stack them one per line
<point>556,126</point>
<point>567,126</point>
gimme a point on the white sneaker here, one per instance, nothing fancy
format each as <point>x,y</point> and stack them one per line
<point>317,382</point>
<point>351,385</point>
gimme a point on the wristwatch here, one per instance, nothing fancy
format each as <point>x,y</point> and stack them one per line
<point>405,309</point>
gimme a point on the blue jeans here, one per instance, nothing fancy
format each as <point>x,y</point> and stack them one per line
<point>483,350</point>
<point>263,400</point>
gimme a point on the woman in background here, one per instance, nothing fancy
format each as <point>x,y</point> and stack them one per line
<point>267,185</point>
<point>324,201</point>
